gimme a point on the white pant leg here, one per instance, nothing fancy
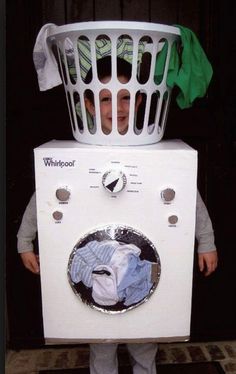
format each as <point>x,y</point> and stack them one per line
<point>103,359</point>
<point>144,356</point>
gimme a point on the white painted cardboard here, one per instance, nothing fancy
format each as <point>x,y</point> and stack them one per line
<point>149,170</point>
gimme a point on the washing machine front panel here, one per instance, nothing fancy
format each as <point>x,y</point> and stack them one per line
<point>81,189</point>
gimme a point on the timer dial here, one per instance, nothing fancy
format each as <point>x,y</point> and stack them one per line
<point>114,181</point>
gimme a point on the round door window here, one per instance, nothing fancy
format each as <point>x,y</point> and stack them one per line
<point>114,268</point>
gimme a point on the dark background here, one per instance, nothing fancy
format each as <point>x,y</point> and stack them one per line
<point>34,117</point>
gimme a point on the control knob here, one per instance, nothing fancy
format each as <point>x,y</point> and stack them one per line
<point>62,194</point>
<point>114,181</point>
<point>168,195</point>
<point>173,219</point>
<point>57,215</point>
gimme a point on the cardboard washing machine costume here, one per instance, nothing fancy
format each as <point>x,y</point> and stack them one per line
<point>116,207</point>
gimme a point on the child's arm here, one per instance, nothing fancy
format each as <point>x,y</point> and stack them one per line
<point>207,253</point>
<point>26,235</point>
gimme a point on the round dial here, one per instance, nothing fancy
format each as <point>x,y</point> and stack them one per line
<point>173,219</point>
<point>168,195</point>
<point>57,215</point>
<point>62,194</point>
<point>114,181</point>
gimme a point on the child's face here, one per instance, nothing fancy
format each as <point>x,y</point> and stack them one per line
<point>123,107</point>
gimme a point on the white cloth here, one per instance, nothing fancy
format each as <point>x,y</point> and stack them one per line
<point>125,277</point>
<point>120,259</point>
<point>44,61</point>
<point>104,285</point>
<point>88,257</point>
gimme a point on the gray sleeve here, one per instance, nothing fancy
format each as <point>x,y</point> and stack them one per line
<point>28,228</point>
<point>204,231</point>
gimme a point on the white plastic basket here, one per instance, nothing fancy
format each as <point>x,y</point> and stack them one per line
<point>147,47</point>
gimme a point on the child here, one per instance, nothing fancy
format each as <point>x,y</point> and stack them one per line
<point>103,357</point>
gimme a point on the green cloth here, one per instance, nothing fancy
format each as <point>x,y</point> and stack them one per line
<point>190,71</point>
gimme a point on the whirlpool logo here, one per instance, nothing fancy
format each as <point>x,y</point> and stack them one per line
<point>51,162</point>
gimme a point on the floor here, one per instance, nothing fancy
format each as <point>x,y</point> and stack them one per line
<point>33,360</point>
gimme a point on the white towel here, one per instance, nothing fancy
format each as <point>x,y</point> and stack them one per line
<point>45,62</point>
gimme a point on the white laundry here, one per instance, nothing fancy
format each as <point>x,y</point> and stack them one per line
<point>113,270</point>
<point>45,62</point>
<point>133,274</point>
<point>120,259</point>
<point>88,257</point>
<point>104,285</point>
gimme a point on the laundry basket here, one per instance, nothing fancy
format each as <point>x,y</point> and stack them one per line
<point>84,49</point>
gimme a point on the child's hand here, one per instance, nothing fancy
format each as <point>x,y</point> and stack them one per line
<point>30,261</point>
<point>207,262</point>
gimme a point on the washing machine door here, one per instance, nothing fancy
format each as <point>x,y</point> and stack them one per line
<point>114,268</point>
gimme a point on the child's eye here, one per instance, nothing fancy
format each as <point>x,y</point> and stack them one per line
<point>106,99</point>
<point>127,97</point>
